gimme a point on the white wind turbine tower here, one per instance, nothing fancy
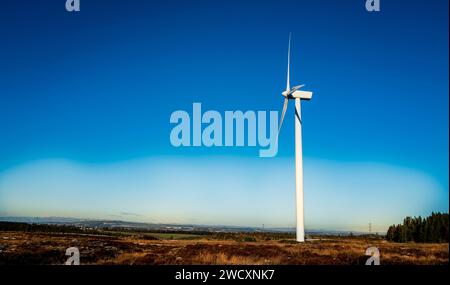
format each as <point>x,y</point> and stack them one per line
<point>296,94</point>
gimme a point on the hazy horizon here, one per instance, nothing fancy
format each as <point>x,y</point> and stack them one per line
<point>70,220</point>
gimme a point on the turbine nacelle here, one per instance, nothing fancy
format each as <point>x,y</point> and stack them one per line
<point>303,95</point>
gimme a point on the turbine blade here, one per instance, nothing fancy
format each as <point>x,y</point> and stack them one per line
<point>289,63</point>
<point>295,88</point>
<point>286,100</point>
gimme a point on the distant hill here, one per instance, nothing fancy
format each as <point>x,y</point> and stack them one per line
<point>40,220</point>
<point>111,224</point>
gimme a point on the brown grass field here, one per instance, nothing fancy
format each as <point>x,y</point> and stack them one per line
<point>236,249</point>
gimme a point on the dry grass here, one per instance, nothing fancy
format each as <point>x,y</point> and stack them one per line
<point>28,248</point>
<point>230,259</point>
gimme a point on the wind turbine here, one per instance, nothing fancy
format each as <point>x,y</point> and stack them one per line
<point>296,94</point>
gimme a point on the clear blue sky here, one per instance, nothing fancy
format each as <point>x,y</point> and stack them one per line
<point>86,97</point>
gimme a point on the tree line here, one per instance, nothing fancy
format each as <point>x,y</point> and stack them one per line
<point>45,228</point>
<point>430,229</point>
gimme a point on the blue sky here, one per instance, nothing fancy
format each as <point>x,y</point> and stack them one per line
<point>85,101</point>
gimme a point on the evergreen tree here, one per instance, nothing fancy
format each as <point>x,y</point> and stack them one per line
<point>434,228</point>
